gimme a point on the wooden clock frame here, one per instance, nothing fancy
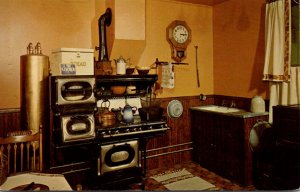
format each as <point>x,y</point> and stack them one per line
<point>178,50</point>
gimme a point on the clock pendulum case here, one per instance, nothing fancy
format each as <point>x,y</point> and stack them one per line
<point>179,36</point>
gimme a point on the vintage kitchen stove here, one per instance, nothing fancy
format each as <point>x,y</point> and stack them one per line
<point>122,146</point>
<point>108,156</point>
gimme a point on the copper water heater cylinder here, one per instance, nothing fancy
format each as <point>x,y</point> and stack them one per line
<point>34,73</point>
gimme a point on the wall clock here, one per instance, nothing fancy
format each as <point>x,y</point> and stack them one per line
<point>179,36</point>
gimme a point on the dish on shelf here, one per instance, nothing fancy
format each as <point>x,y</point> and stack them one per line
<point>143,70</point>
<point>129,70</point>
<point>118,90</point>
<point>174,109</point>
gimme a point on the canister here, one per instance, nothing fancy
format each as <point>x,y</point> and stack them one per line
<point>257,104</point>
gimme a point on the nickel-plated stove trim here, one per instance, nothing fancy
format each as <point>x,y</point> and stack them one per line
<point>136,133</point>
<point>140,129</point>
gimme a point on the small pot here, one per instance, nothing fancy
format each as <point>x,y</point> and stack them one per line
<point>131,89</point>
<point>118,114</point>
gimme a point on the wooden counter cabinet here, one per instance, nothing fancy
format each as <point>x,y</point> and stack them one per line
<point>221,144</point>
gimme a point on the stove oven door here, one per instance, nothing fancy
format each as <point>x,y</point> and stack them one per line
<point>78,127</point>
<point>118,156</point>
<point>73,90</point>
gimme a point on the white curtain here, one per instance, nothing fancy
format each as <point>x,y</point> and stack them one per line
<point>284,80</point>
<point>285,93</point>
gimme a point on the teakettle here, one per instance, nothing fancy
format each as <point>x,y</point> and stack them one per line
<point>121,65</point>
<point>105,117</point>
<point>127,113</point>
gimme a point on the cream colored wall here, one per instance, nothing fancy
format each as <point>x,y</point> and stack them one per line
<point>53,23</point>
<point>159,14</point>
<point>73,23</point>
<point>239,48</point>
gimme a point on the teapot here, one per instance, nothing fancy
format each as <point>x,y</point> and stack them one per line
<point>121,65</point>
<point>127,113</point>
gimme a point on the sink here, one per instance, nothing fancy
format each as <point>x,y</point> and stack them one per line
<point>220,109</point>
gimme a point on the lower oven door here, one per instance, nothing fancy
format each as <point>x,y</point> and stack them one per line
<point>78,127</point>
<point>118,156</point>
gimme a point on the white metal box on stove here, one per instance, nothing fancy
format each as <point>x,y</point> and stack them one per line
<point>72,61</point>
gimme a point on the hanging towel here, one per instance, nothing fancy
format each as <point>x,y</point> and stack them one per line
<point>168,76</point>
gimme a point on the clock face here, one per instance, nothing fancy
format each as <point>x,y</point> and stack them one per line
<point>180,34</point>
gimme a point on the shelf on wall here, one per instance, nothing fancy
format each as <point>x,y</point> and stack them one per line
<point>126,78</point>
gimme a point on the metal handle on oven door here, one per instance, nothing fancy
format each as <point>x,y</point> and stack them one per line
<point>98,166</point>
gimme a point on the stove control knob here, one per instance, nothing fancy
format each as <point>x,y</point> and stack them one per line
<point>116,132</point>
<point>150,127</point>
<point>140,129</point>
<point>127,131</point>
<point>133,130</point>
<point>103,133</point>
<point>109,132</point>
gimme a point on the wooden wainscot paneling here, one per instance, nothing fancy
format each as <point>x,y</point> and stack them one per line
<point>9,121</point>
<point>174,147</point>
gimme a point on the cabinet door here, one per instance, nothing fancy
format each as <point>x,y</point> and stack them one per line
<point>206,139</point>
<point>197,137</point>
<point>213,135</point>
<point>233,148</point>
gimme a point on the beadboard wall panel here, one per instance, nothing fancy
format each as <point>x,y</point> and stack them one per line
<point>9,121</point>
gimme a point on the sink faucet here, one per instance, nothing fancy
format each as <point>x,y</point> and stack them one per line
<point>232,104</point>
<point>223,103</point>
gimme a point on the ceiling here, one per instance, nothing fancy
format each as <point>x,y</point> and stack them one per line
<point>203,2</point>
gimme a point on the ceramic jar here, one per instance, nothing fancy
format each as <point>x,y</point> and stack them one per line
<point>257,105</point>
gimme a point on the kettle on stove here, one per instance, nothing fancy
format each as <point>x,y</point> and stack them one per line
<point>127,113</point>
<point>106,117</point>
<point>121,65</point>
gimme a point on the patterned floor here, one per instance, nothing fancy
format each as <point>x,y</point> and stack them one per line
<point>219,182</point>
